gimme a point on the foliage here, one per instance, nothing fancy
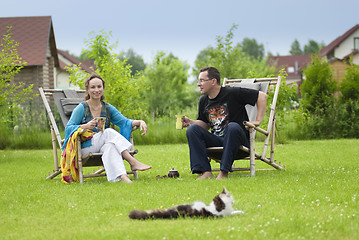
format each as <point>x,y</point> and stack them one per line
<point>312,47</point>
<point>287,101</point>
<point>350,84</point>
<point>134,60</point>
<point>253,49</point>
<point>230,60</point>
<point>295,48</point>
<point>85,56</point>
<point>123,90</point>
<point>318,87</point>
<point>12,93</point>
<point>167,88</point>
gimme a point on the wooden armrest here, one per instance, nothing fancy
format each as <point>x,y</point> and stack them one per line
<point>134,128</point>
<point>248,124</point>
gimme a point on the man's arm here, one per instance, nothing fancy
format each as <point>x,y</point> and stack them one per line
<point>261,108</point>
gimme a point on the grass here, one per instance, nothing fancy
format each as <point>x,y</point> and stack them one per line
<point>315,198</point>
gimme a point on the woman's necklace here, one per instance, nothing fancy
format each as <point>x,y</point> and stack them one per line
<point>95,109</point>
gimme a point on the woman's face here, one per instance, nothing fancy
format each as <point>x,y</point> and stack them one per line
<point>95,88</point>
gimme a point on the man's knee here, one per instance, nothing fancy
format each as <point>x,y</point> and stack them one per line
<point>193,129</point>
<point>234,127</point>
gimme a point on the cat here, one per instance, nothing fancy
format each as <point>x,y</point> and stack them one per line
<point>222,205</point>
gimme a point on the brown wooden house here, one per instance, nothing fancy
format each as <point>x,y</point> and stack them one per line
<point>37,47</point>
<point>340,50</point>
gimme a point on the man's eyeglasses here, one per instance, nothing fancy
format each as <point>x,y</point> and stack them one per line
<point>203,80</point>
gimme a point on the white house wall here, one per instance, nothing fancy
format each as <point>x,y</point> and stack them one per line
<point>346,47</point>
<point>356,59</point>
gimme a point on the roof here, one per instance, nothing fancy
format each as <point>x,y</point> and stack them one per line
<point>296,61</point>
<point>354,52</point>
<point>331,46</point>
<point>85,65</point>
<point>34,35</point>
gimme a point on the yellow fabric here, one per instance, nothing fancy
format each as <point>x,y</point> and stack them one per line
<point>69,164</point>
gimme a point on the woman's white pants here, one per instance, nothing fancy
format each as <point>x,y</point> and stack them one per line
<point>111,144</point>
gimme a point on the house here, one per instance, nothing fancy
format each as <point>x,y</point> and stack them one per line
<point>341,49</point>
<point>66,59</point>
<point>37,47</point>
<point>293,65</point>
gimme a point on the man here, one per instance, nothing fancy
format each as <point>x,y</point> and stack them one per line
<point>223,111</point>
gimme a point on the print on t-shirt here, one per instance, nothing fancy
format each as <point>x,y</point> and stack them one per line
<point>218,118</point>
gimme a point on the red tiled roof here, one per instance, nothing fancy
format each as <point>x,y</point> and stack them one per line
<point>33,35</point>
<point>300,61</point>
<point>88,66</point>
<point>85,65</point>
<point>331,46</point>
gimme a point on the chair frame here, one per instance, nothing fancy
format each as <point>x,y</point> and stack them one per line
<point>89,160</point>
<point>269,133</point>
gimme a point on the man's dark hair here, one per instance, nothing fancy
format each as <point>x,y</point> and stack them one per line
<point>212,73</point>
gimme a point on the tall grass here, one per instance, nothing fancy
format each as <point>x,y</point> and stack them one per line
<point>161,133</point>
<point>316,197</point>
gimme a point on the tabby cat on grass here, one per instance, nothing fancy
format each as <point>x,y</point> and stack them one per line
<point>222,205</point>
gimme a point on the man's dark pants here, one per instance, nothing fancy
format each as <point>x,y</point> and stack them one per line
<point>199,139</point>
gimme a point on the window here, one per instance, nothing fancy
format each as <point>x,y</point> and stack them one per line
<point>356,43</point>
<point>290,69</point>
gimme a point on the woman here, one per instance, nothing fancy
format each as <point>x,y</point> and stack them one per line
<point>112,144</point>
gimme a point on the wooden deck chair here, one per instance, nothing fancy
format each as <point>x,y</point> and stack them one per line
<point>65,101</point>
<point>264,85</point>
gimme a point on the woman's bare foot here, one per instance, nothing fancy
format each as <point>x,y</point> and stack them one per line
<point>222,175</point>
<point>205,175</point>
<point>125,179</point>
<point>134,163</point>
<point>138,166</point>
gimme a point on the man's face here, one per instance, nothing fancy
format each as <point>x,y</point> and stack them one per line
<point>204,83</point>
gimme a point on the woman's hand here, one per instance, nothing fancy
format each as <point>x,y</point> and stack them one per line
<point>90,125</point>
<point>142,125</point>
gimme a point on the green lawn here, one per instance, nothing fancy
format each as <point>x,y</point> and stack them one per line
<point>317,197</point>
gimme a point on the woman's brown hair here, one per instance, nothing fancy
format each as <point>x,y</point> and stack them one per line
<point>87,81</point>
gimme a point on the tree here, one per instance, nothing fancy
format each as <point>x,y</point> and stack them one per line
<point>135,61</point>
<point>349,86</point>
<point>12,94</point>
<point>295,48</point>
<point>230,59</point>
<point>84,56</point>
<point>252,48</point>
<point>168,90</point>
<point>318,87</point>
<point>312,47</point>
<point>123,90</point>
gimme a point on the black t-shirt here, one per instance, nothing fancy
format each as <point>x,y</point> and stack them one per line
<point>227,106</point>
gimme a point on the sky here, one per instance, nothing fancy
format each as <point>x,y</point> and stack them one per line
<point>186,27</point>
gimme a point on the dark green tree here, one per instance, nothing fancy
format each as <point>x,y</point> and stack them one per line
<point>349,86</point>
<point>167,88</point>
<point>318,87</point>
<point>312,47</point>
<point>84,56</point>
<point>230,59</point>
<point>134,60</point>
<point>295,48</point>
<point>252,48</point>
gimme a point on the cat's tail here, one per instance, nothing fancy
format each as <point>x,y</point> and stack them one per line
<point>154,214</point>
